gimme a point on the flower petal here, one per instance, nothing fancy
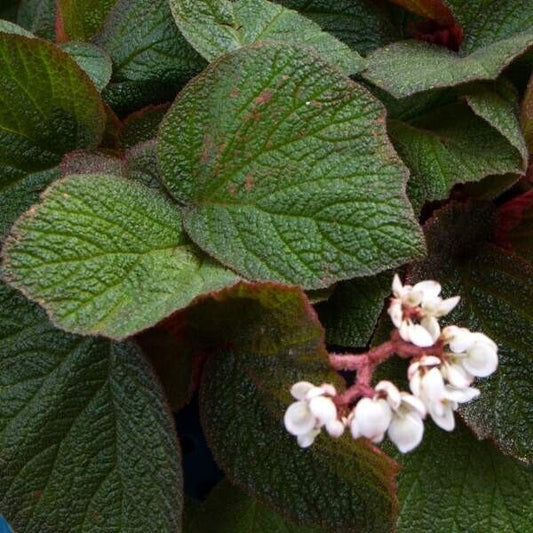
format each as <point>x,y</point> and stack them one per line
<point>300,389</point>
<point>298,419</point>
<point>397,287</point>
<point>391,391</point>
<point>457,375</point>
<point>406,432</point>
<point>420,336</point>
<point>305,440</point>
<point>335,428</point>
<point>431,324</point>
<point>373,417</point>
<point>446,306</point>
<point>430,289</point>
<point>413,404</point>
<point>462,395</point>
<point>443,417</point>
<point>432,386</point>
<point>323,409</point>
<point>395,312</point>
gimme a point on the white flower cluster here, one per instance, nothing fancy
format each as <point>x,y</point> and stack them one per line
<point>439,380</point>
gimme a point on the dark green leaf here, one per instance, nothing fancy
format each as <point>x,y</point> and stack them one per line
<point>39,17</point>
<point>81,19</point>
<point>351,314</point>
<point>93,60</point>
<point>230,510</point>
<point>286,170</point>
<point>363,25</point>
<point>142,125</point>
<point>87,443</point>
<point>105,255</point>
<point>452,145</point>
<point>496,291</point>
<point>215,27</point>
<point>276,340</point>
<point>526,115</point>
<point>452,482</point>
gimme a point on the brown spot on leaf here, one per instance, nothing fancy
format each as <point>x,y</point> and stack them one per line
<point>231,189</point>
<point>264,97</point>
<point>235,93</point>
<point>249,181</point>
<point>207,148</point>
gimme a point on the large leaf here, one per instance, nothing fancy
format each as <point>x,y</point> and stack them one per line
<point>350,315</point>
<point>38,16</point>
<point>215,27</point>
<point>145,45</point>
<point>286,170</point>
<point>81,19</point>
<point>230,510</point>
<point>49,107</point>
<point>363,25</point>
<point>105,255</point>
<point>452,482</point>
<point>86,441</point>
<point>496,291</point>
<point>495,33</point>
<point>452,145</point>
<point>269,339</point>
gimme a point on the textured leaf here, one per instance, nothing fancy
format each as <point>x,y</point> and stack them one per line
<point>292,178</point>
<point>452,145</point>
<point>81,19</point>
<point>229,510</point>
<point>142,125</point>
<point>363,25</point>
<point>83,162</point>
<point>496,291</point>
<point>93,60</point>
<point>106,256</point>
<point>408,67</point>
<point>141,165</point>
<point>432,9</point>
<point>515,225</point>
<point>274,339</point>
<point>145,45</point>
<point>86,441</point>
<point>39,17</point>
<point>454,483</point>
<point>10,27</point>
<point>215,27</point>
<point>526,115</point>
<point>351,313</point>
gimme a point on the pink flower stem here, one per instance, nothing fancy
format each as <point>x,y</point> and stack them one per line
<point>365,364</point>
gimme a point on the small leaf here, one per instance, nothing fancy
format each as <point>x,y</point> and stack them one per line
<point>9,27</point>
<point>496,290</point>
<point>287,171</point>
<point>229,510</point>
<point>432,9</point>
<point>215,27</point>
<point>146,47</point>
<point>409,67</point>
<point>81,19</point>
<point>351,313</point>
<point>87,443</point>
<point>93,60</point>
<point>452,145</point>
<point>452,482</point>
<point>106,256</point>
<point>38,17</point>
<point>272,339</point>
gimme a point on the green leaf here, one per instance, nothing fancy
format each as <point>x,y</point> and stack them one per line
<point>432,9</point>
<point>49,105</point>
<point>145,45</point>
<point>229,510</point>
<point>496,290</point>
<point>408,67</point>
<point>93,60</point>
<point>363,25</point>
<point>142,125</point>
<point>286,170</point>
<point>141,165</point>
<point>272,340</point>
<point>351,314</point>
<point>454,483</point>
<point>215,27</point>
<point>106,256</point>
<point>526,115</point>
<point>9,27</point>
<point>38,17</point>
<point>81,19</point>
<point>86,441</point>
<point>452,145</point>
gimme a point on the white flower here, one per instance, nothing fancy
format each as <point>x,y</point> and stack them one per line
<point>440,400</point>
<point>314,409</point>
<point>414,310</point>
<point>476,353</point>
<point>371,418</point>
<point>406,428</point>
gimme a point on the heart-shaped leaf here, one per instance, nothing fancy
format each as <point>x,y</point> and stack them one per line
<point>269,338</point>
<point>86,441</point>
<point>286,170</point>
<point>105,255</point>
<point>496,290</point>
<point>215,27</point>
